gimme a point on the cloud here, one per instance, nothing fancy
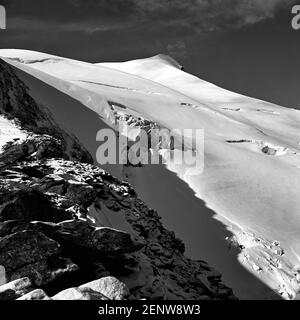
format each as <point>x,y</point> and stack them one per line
<point>139,27</point>
<point>201,15</point>
<point>207,15</point>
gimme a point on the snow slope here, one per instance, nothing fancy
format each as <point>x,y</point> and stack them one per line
<point>251,177</point>
<point>9,129</point>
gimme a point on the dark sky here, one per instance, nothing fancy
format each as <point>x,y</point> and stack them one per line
<point>247,46</point>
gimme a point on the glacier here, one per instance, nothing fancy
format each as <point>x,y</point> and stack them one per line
<point>251,176</point>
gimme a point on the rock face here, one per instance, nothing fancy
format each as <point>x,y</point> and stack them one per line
<point>31,253</point>
<point>16,104</point>
<point>65,222</point>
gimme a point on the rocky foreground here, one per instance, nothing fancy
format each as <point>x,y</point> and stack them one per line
<point>71,231</point>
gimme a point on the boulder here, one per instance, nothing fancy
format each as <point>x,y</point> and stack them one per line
<point>15,289</point>
<point>25,247</point>
<point>37,294</point>
<point>110,287</point>
<point>79,294</point>
<point>32,254</point>
<point>46,271</point>
<point>113,242</point>
<point>81,193</point>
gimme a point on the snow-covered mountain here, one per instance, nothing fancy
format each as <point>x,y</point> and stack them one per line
<point>251,172</point>
<point>71,231</point>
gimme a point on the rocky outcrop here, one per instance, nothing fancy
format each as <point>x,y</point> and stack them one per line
<point>48,234</point>
<point>32,254</point>
<point>15,289</point>
<point>71,231</point>
<point>16,104</point>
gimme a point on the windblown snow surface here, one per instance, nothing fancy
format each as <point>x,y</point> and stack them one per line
<point>251,179</point>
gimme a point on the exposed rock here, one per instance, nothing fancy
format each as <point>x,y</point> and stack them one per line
<point>2,275</point>
<point>27,204</point>
<point>110,241</point>
<point>37,294</point>
<point>18,105</point>
<point>110,287</point>
<point>147,257</point>
<point>32,254</point>
<point>35,146</point>
<point>15,289</point>
<point>269,151</point>
<point>106,241</point>
<point>79,294</point>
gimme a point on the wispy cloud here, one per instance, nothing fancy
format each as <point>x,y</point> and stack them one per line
<point>208,15</point>
<point>97,15</point>
<point>139,27</point>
